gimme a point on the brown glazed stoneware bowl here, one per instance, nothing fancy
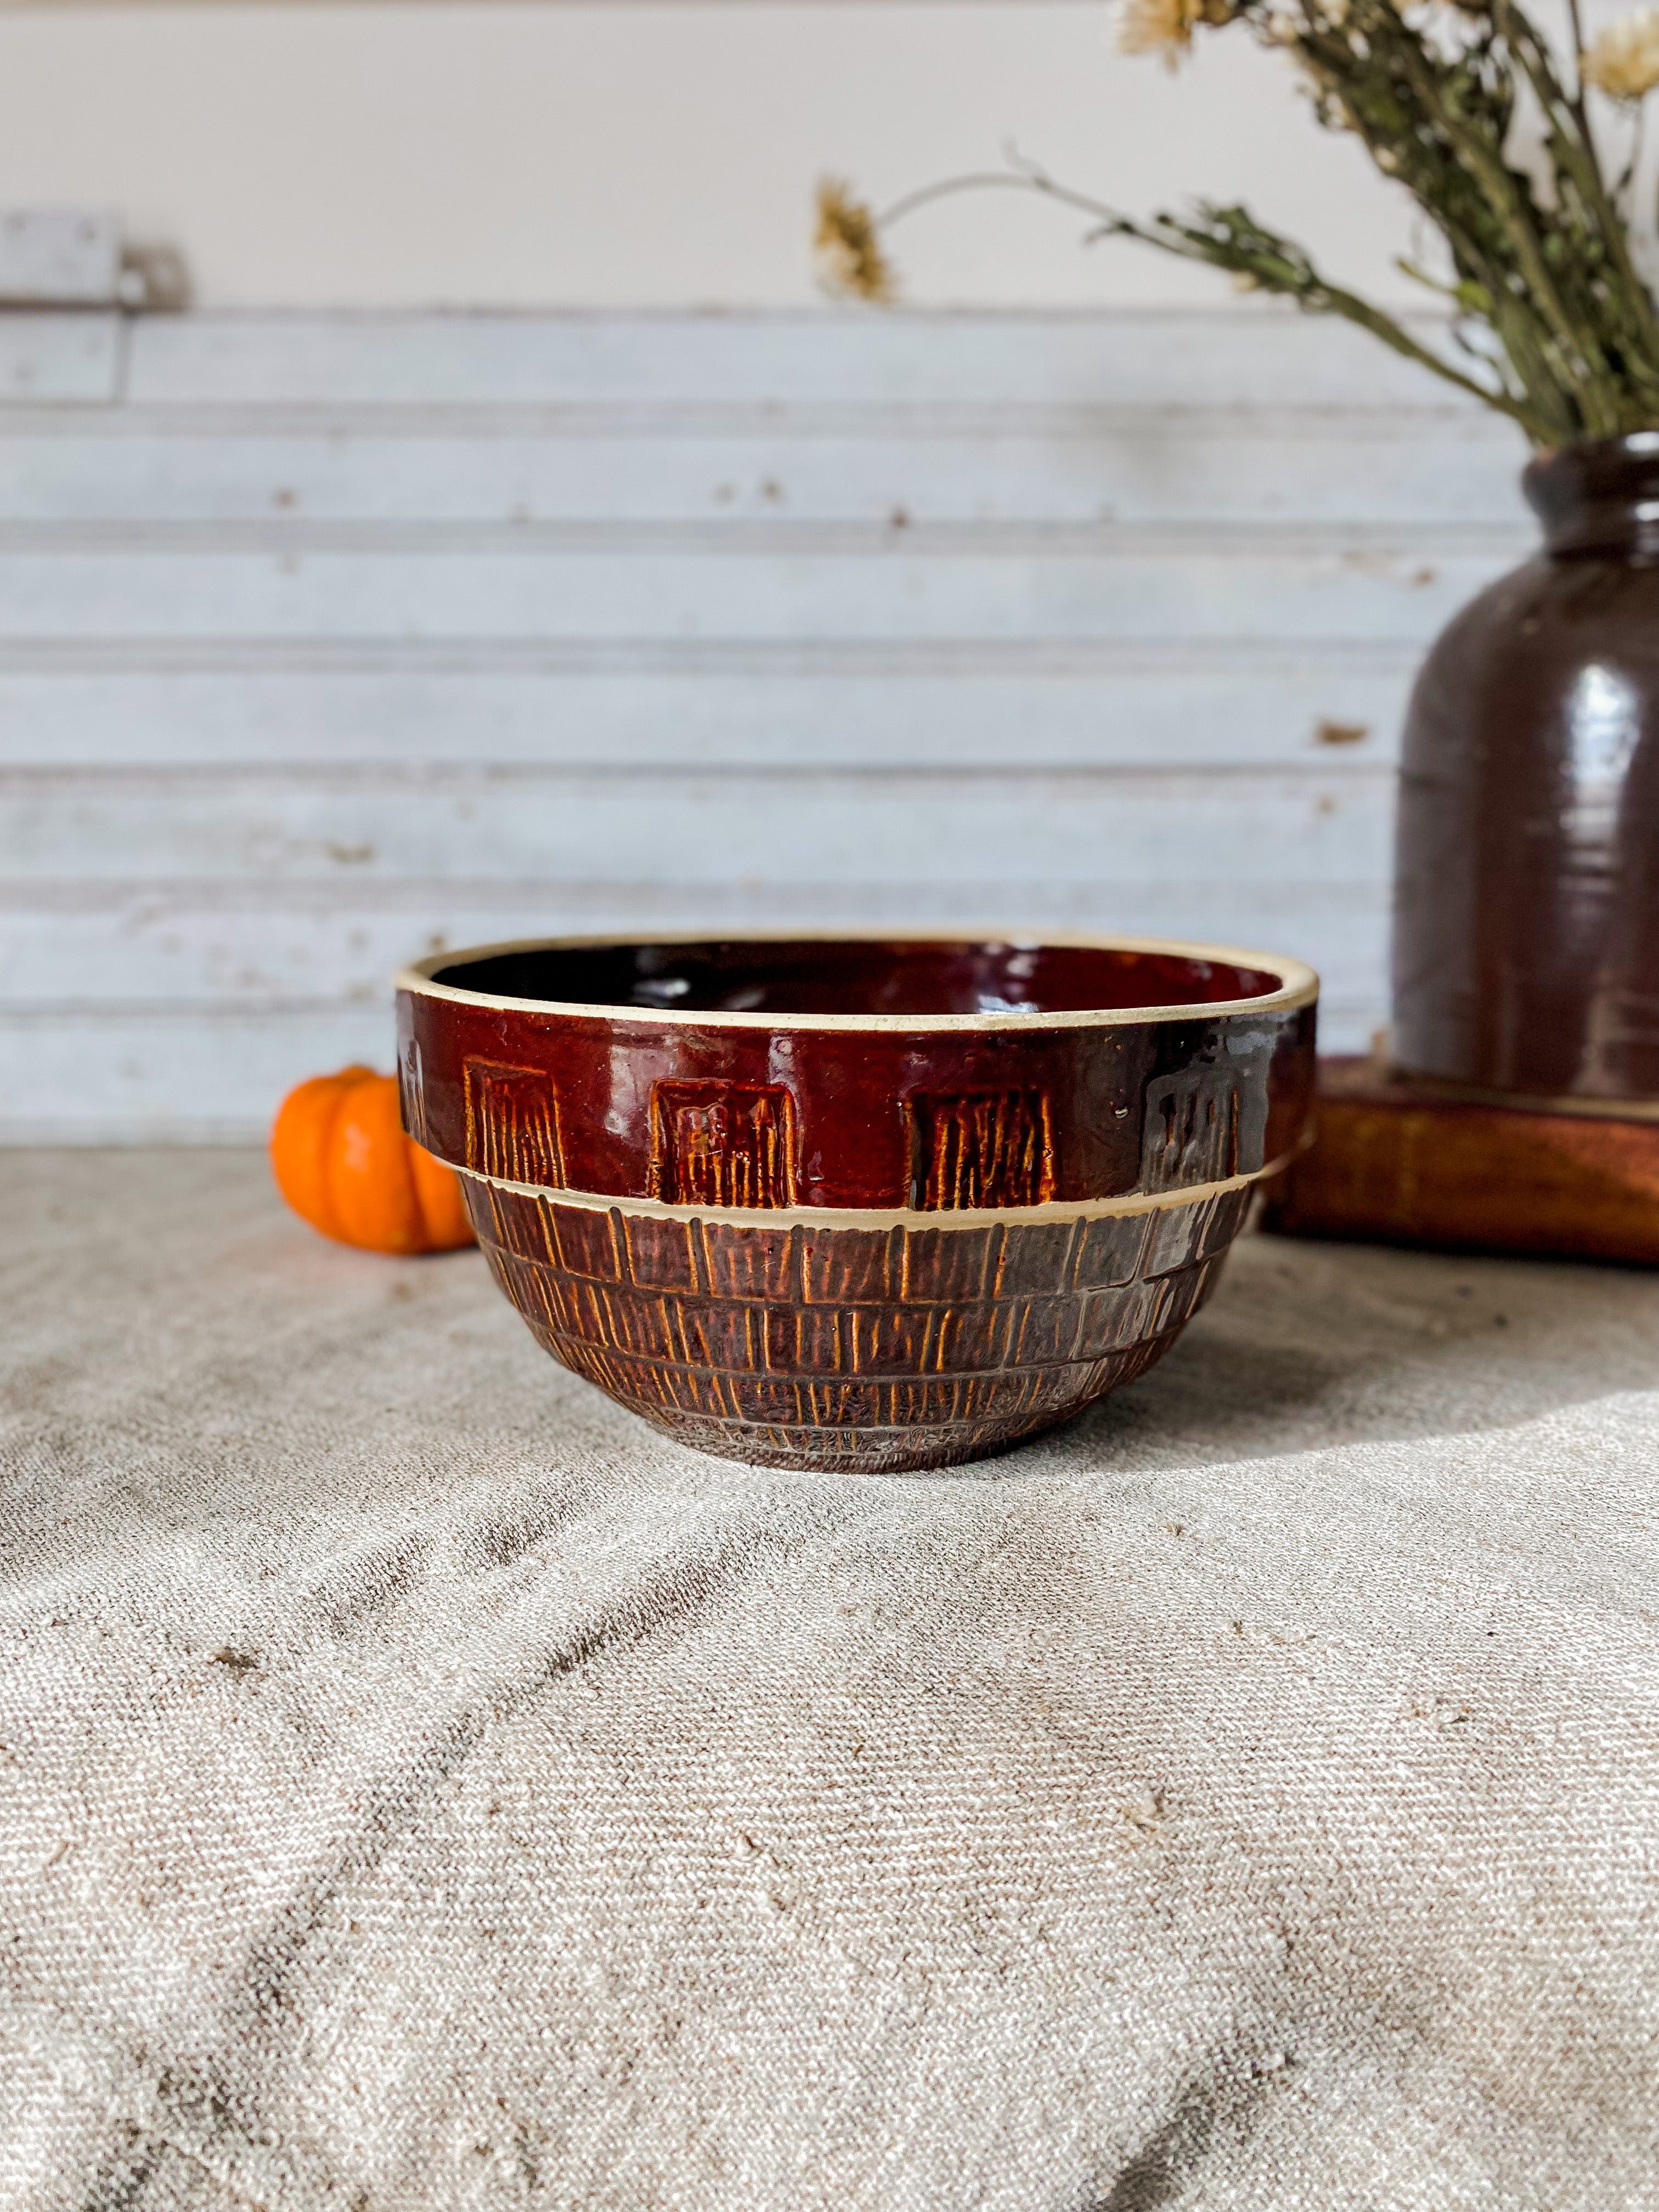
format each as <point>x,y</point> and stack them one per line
<point>867,1203</point>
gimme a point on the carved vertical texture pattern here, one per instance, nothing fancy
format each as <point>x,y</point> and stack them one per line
<point>722,1144</point>
<point>1190,1131</point>
<point>989,1150</point>
<point>411,1091</point>
<point>876,1349</point>
<point>513,1125</point>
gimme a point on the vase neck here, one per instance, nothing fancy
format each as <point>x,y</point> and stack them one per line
<point>1598,498</point>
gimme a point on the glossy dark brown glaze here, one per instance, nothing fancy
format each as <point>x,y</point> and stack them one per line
<point>625,1103</point>
<point>856,976</point>
<point>792,1080</point>
<point>1526,892</point>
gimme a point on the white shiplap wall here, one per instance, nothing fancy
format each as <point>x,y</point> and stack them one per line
<point>326,641</point>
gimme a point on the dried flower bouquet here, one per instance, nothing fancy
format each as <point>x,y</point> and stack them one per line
<point>1469,108</point>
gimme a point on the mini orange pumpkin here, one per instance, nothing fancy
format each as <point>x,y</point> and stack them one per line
<point>344,1164</point>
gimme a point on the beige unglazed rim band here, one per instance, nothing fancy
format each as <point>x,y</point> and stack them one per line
<point>1051,1212</point>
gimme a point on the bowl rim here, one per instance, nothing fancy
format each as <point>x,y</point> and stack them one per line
<point>1298,983</point>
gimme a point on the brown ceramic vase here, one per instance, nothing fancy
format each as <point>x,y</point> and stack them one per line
<point>1527,878</point>
<point>856,1203</point>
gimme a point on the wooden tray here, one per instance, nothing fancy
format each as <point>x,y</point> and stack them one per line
<point>1397,1162</point>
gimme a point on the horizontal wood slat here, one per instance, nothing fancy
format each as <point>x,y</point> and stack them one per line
<point>74,357</point>
<point>212,946</point>
<point>874,591</point>
<point>165,1072</point>
<point>1250,356</point>
<point>700,827</point>
<point>327,641</point>
<point>1128,708</point>
<point>1138,467</point>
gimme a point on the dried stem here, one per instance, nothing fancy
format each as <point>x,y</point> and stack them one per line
<point>1573,349</point>
<point>1274,264</point>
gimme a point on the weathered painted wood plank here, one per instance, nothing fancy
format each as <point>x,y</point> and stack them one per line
<point>155,1074</point>
<point>1146,466</point>
<point>700,828</point>
<point>1256,356</point>
<point>1372,593</point>
<point>73,358</point>
<point>213,944</point>
<point>1132,708</point>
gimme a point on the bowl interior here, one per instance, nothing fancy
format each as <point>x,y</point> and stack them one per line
<point>858,976</point>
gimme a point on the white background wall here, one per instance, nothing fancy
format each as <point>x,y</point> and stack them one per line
<point>393,156</point>
<point>329,637</point>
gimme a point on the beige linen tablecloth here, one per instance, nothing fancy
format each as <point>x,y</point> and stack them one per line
<point>422,1787</point>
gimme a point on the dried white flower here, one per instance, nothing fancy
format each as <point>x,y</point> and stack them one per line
<point>1165,27</point>
<point>847,246</point>
<point>1623,61</point>
<point>1155,27</point>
